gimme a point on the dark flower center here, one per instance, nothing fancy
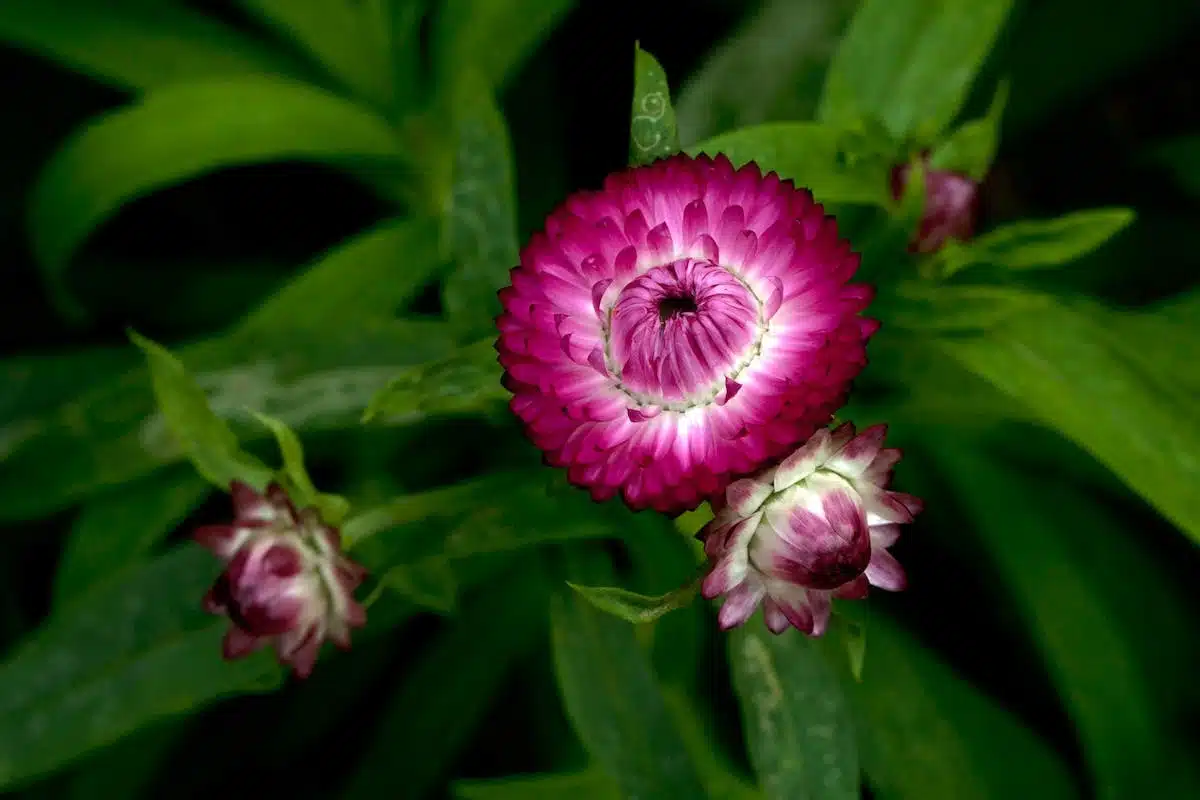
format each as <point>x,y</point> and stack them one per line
<point>674,306</point>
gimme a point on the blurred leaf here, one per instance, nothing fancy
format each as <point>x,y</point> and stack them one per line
<point>634,607</point>
<point>300,487</point>
<point>405,26</point>
<point>135,650</point>
<point>614,704</point>
<point>922,306</point>
<point>480,214</point>
<point>492,38</point>
<point>1031,244</point>
<point>652,131</point>
<point>971,149</point>
<point>1168,336</point>
<point>449,690</point>
<point>32,382</point>
<point>1182,158</point>
<point>814,156</point>
<point>112,433</point>
<point>716,772</point>
<point>925,732</point>
<point>910,63</point>
<point>786,47</point>
<point>798,729</point>
<point>588,785</point>
<point>181,132</point>
<point>136,45</point>
<point>467,381</point>
<point>127,768</point>
<point>1111,399</point>
<point>347,38</point>
<point>429,583</point>
<point>205,438</point>
<point>371,276</point>
<point>123,526</point>
<point>1087,654</point>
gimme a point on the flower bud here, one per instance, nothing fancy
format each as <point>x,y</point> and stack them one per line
<point>816,526</point>
<point>951,205</point>
<point>286,580</point>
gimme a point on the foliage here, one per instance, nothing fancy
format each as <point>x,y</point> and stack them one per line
<point>522,641</point>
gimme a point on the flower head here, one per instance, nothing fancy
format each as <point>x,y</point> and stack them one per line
<point>686,324</point>
<point>816,526</point>
<point>951,205</point>
<point>286,580</point>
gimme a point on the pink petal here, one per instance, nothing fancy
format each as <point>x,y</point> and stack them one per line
<point>885,571</point>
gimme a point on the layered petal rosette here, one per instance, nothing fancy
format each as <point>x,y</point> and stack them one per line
<point>286,581</point>
<point>687,324</point>
<point>815,527</point>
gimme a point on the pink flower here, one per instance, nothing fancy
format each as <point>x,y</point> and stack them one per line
<point>815,527</point>
<point>687,324</point>
<point>286,580</point>
<point>951,205</point>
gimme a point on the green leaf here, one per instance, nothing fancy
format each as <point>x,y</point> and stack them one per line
<point>492,38</point>
<point>634,607</point>
<point>206,439</point>
<point>449,689</point>
<point>614,704</point>
<point>702,740</point>
<point>348,39</point>
<point>134,651</point>
<point>122,527</point>
<point>652,131</point>
<point>771,68</point>
<point>588,785</point>
<point>112,433</point>
<point>1182,158</point>
<point>128,768</point>
<point>814,156</point>
<point>1032,244</point>
<point>300,486</point>
<point>797,725</point>
<point>36,381</point>
<point>922,306</point>
<point>1088,654</point>
<point>467,381</point>
<point>910,63</point>
<point>137,46</point>
<point>181,132</point>
<point>972,148</point>
<point>480,214</point>
<point>371,277</point>
<point>429,583</point>
<point>1111,398</point>
<point>923,731</point>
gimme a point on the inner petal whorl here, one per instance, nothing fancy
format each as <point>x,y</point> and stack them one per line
<point>679,329</point>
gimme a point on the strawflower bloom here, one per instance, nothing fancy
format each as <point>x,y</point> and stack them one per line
<point>285,582</point>
<point>686,324</point>
<point>815,527</point>
<point>951,207</point>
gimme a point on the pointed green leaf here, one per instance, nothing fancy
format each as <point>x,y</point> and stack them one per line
<point>1088,654</point>
<point>910,63</point>
<point>111,433</point>
<point>587,785</point>
<point>615,705</point>
<point>349,39</point>
<point>466,382</point>
<point>634,607</point>
<point>137,46</point>
<point>652,131</point>
<point>480,217</point>
<point>797,725</point>
<point>492,38</point>
<point>183,131</point>
<point>135,650</point>
<point>816,157</point>
<point>971,149</point>
<point>1110,397</point>
<point>923,306</point>
<point>924,731</point>
<point>300,487</point>
<point>206,439</point>
<point>1033,244</point>
<point>122,527</point>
